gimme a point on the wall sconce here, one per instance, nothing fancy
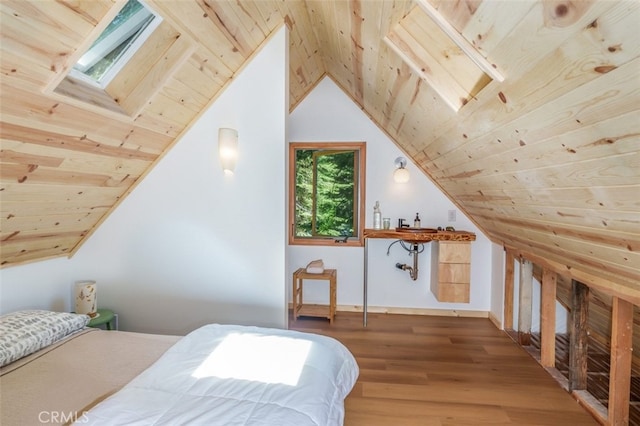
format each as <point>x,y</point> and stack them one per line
<point>228,149</point>
<point>401,175</point>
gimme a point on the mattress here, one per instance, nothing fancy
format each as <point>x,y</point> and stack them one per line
<point>217,375</point>
<point>56,385</point>
<point>233,375</point>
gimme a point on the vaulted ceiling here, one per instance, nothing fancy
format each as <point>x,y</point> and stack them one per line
<point>525,113</point>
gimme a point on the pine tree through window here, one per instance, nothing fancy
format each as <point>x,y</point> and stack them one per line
<point>326,193</point>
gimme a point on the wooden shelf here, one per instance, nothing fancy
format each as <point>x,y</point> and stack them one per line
<point>323,311</point>
<point>423,237</point>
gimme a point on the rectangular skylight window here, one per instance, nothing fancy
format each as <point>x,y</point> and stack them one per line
<point>117,43</point>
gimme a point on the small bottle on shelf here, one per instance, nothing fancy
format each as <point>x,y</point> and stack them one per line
<point>377,216</point>
<point>416,221</point>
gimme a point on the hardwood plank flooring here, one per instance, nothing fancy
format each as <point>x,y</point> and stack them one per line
<point>441,371</point>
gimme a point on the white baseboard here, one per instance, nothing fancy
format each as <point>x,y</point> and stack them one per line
<point>495,320</point>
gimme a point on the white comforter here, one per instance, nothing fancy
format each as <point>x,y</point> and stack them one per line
<point>236,375</point>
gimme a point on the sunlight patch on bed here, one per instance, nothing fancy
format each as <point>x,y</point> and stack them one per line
<point>267,359</point>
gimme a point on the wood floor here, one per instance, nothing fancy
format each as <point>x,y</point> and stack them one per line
<point>424,370</point>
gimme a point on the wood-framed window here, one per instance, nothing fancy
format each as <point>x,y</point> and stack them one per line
<point>327,193</point>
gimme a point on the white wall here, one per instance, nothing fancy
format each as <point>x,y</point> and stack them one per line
<point>190,246</point>
<point>327,114</point>
<point>40,285</point>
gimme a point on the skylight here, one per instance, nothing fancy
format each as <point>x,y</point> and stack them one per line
<point>117,43</point>
<point>440,55</point>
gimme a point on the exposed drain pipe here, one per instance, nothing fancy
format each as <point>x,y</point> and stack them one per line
<point>413,251</point>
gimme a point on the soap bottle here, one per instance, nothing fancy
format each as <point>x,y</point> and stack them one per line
<point>377,216</point>
<point>416,221</point>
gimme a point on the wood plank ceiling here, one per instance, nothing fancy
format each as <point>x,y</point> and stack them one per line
<point>545,159</point>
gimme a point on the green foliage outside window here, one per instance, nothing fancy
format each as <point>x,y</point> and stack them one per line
<point>326,193</point>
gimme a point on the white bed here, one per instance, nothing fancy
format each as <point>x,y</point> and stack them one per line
<point>233,375</point>
<point>216,375</point>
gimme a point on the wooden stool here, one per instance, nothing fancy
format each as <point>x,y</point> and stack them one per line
<point>314,310</point>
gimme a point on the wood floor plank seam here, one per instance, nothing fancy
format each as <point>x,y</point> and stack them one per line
<point>444,371</point>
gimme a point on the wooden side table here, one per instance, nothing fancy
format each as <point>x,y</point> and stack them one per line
<point>300,309</point>
<point>107,318</point>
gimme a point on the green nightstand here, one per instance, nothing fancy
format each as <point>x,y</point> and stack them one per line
<point>107,318</point>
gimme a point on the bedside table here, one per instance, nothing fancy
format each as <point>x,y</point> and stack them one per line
<point>107,318</point>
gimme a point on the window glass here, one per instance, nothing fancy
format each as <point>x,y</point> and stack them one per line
<point>326,193</point>
<point>115,41</point>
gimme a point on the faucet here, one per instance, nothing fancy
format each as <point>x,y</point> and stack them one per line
<point>401,223</point>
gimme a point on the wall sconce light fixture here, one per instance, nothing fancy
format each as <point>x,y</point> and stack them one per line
<point>401,175</point>
<point>228,149</point>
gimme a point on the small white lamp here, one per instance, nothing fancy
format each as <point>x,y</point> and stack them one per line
<point>86,298</point>
<point>228,149</point>
<point>401,175</point>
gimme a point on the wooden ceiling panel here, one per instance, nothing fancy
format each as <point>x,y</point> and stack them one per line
<point>553,76</point>
<point>179,88</point>
<point>611,94</point>
<point>612,137</point>
<point>26,63</point>
<point>458,13</point>
<point>41,38</point>
<point>54,129</point>
<point>65,199</point>
<point>599,220</point>
<point>443,49</point>
<point>52,223</point>
<point>50,27</point>
<point>306,63</point>
<point>626,277</point>
<point>204,71</point>
<point>538,33</point>
<point>33,247</point>
<point>200,22</point>
<point>622,241</point>
<point>150,68</point>
<point>492,21</point>
<point>70,159</point>
<point>614,260</point>
<point>544,160</point>
<point>601,208</point>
